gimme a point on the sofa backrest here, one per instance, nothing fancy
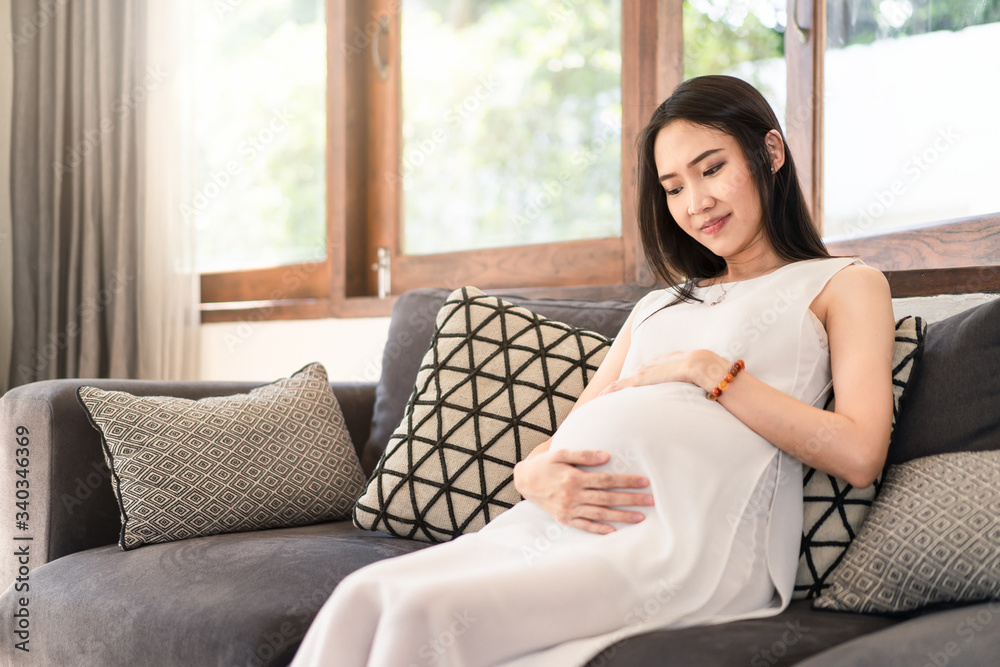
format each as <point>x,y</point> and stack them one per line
<point>413,321</point>
<point>941,306</point>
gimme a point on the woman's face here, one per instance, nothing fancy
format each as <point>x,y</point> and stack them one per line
<point>710,191</point>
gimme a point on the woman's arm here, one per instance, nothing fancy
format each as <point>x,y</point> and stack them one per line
<point>850,443</point>
<point>572,496</point>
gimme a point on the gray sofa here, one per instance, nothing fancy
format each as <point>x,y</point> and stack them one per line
<point>76,598</point>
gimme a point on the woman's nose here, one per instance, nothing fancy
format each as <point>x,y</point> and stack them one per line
<point>699,199</point>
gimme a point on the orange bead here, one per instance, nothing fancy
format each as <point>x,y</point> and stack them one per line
<point>729,377</point>
<point>716,392</point>
<point>739,364</point>
<point>723,384</point>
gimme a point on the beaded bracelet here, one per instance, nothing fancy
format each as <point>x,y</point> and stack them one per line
<point>724,382</point>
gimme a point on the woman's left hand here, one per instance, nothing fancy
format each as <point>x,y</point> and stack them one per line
<point>699,367</point>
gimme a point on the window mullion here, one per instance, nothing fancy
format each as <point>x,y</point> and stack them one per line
<point>383,76</point>
<point>804,111</point>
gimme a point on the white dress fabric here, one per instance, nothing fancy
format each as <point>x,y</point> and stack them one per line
<point>720,543</point>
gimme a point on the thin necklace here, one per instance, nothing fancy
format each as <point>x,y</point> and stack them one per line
<point>723,296</point>
<point>725,291</point>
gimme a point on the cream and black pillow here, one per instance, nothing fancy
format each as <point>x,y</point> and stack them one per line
<point>932,538</point>
<point>277,456</point>
<point>833,510</point>
<point>496,382</point>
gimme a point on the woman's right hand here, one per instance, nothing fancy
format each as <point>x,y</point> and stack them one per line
<point>551,480</point>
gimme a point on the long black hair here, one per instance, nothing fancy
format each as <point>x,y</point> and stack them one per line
<point>736,108</point>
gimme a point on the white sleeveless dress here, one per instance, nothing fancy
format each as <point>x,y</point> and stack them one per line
<point>721,542</point>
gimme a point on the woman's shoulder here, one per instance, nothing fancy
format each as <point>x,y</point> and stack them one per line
<point>652,297</point>
<point>852,286</point>
<point>655,300</point>
<point>841,260</point>
<point>857,278</point>
<point>825,269</point>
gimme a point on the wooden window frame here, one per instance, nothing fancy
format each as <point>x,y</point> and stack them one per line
<point>363,208</point>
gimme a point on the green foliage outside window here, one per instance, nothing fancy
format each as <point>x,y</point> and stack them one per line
<point>865,21</point>
<point>259,75</point>
<point>511,122</point>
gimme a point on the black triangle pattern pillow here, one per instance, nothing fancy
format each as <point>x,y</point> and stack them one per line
<point>833,510</point>
<point>496,382</point>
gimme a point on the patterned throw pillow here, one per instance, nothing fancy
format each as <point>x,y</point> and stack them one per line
<point>277,456</point>
<point>495,383</point>
<point>932,537</point>
<point>833,510</point>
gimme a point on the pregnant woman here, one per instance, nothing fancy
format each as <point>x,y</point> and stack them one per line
<point>672,494</point>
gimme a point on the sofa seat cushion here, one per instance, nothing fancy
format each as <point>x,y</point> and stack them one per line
<point>968,636</point>
<point>785,639</point>
<point>231,599</point>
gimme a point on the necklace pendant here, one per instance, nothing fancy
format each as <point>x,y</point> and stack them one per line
<point>720,297</point>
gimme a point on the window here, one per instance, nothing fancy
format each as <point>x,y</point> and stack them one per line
<point>366,178</point>
<point>259,119</point>
<point>529,191</point>
<point>930,147</point>
<point>259,133</point>
<point>515,213</point>
<point>456,217</point>
<point>909,140</point>
<point>511,123</point>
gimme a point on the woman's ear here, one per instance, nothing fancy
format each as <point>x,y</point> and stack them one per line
<point>775,149</point>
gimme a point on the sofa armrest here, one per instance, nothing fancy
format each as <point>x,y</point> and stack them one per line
<point>70,501</point>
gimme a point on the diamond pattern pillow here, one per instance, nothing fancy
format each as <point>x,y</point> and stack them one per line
<point>932,537</point>
<point>833,510</point>
<point>495,383</point>
<point>277,456</point>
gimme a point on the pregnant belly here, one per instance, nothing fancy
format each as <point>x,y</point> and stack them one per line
<point>657,429</point>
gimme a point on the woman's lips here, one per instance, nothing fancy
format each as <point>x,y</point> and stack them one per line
<point>715,226</point>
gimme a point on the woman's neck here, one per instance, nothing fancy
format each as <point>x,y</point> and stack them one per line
<point>737,270</point>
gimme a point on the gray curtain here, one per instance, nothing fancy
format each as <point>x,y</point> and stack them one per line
<point>6,292</point>
<point>81,84</point>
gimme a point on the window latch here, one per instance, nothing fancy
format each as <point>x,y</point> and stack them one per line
<point>383,269</point>
<point>381,66</point>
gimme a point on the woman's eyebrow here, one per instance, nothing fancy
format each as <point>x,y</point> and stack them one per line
<point>693,162</point>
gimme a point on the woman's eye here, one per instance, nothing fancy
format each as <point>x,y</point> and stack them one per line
<point>675,191</point>
<point>714,169</point>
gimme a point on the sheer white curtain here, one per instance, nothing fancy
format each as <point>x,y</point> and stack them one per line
<point>6,280</point>
<point>168,283</point>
